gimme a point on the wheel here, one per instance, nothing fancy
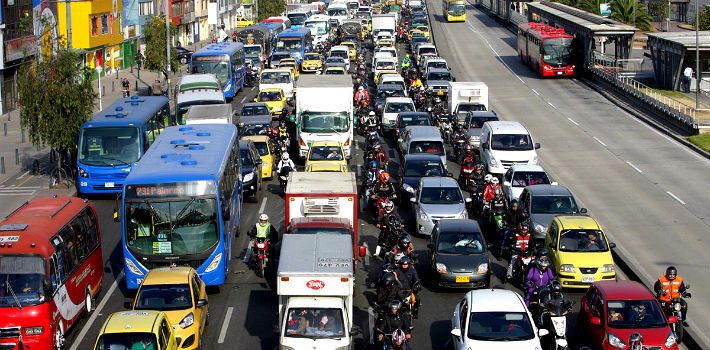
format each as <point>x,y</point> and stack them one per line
<point>88,302</point>
<point>183,60</point>
<point>59,337</point>
<point>679,332</point>
<point>262,267</point>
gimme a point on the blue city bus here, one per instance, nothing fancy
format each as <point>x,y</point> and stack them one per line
<point>115,139</point>
<point>275,28</point>
<point>181,203</point>
<point>226,60</point>
<point>296,41</point>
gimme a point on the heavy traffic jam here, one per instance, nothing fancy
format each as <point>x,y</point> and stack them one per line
<point>366,136</point>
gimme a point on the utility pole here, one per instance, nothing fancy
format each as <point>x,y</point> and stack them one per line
<point>68,6</point>
<point>668,20</point>
<point>697,56</point>
<point>167,42</point>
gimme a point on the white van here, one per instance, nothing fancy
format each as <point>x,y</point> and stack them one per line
<point>277,79</point>
<point>504,144</point>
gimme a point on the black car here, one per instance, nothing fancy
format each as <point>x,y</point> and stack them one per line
<point>406,119</point>
<point>388,90</point>
<point>413,168</point>
<point>458,255</point>
<point>184,54</point>
<point>251,169</point>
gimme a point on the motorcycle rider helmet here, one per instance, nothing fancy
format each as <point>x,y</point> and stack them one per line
<point>395,305</point>
<point>428,109</point>
<point>405,261</point>
<point>377,146</point>
<point>398,337</point>
<point>543,262</point>
<point>555,287</point>
<point>404,241</point>
<point>514,203</point>
<point>282,123</point>
<point>285,157</point>
<point>524,227</point>
<point>671,273</point>
<point>498,192</point>
<point>542,253</point>
<point>494,180</point>
<point>360,88</point>
<point>468,148</point>
<point>372,139</point>
<point>371,114</point>
<point>488,177</point>
<point>263,219</point>
<point>385,177</point>
<point>388,280</point>
<point>389,206</point>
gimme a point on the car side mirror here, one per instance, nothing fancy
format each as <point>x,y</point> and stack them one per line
<point>484,145</point>
<point>468,199</point>
<point>355,330</point>
<point>595,321</point>
<point>612,245</point>
<point>454,79</point>
<point>551,245</point>
<point>362,251</point>
<point>456,332</point>
<point>429,245</point>
<point>543,332</point>
<point>537,145</point>
<point>128,305</point>
<point>255,99</point>
<point>449,174</point>
<point>413,200</point>
<point>554,183</point>
<point>201,302</point>
<point>506,183</point>
<point>583,210</point>
<point>258,161</point>
<point>490,246</point>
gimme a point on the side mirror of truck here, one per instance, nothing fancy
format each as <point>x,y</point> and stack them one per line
<point>484,145</point>
<point>362,251</point>
<point>506,183</point>
<point>355,330</point>
<point>275,329</point>
<point>537,145</point>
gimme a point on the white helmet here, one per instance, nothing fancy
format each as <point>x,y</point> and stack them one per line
<point>494,180</point>
<point>361,88</point>
<point>488,177</point>
<point>284,156</point>
<point>372,113</point>
<point>263,217</point>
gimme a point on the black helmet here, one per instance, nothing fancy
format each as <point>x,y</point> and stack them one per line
<point>555,287</point>
<point>388,268</point>
<point>671,271</point>
<point>405,260</point>
<point>514,203</point>
<point>525,227</point>
<point>388,280</point>
<point>542,252</point>
<point>395,305</point>
<point>372,139</point>
<point>404,241</point>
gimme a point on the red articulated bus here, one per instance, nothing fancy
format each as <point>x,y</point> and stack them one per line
<point>547,50</point>
<point>51,268</point>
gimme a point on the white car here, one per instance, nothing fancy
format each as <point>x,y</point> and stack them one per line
<point>504,144</point>
<point>391,110</point>
<point>494,319</point>
<point>518,176</point>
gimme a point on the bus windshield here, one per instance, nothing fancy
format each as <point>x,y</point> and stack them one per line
<point>321,27</point>
<point>252,50</point>
<point>297,18</point>
<point>109,146</point>
<point>337,12</point>
<point>217,65</point>
<point>457,9</point>
<point>325,122</point>
<point>21,275</point>
<point>557,51</point>
<point>180,226</point>
<point>290,44</point>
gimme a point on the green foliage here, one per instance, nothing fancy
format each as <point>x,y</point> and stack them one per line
<point>591,6</point>
<point>268,8</point>
<point>658,9</point>
<point>631,12</point>
<point>704,18</point>
<point>155,55</point>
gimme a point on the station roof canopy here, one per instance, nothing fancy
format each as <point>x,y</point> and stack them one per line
<point>595,24</point>
<point>680,39</point>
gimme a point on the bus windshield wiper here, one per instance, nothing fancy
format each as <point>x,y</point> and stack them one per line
<point>115,159</point>
<point>9,287</point>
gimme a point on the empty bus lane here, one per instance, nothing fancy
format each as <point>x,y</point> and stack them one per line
<point>649,192</point>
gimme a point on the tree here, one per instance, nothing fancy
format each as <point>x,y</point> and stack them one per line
<point>592,6</point>
<point>56,98</point>
<point>268,8</point>
<point>658,9</point>
<point>704,17</point>
<point>155,55</point>
<point>631,12</point>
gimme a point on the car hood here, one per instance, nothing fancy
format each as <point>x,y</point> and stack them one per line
<point>444,83</point>
<point>504,345</point>
<point>460,263</point>
<point>446,210</point>
<point>246,169</point>
<point>542,219</point>
<point>474,132</point>
<point>651,336</point>
<point>515,156</point>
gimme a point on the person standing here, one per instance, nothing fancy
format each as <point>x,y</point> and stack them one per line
<point>687,77</point>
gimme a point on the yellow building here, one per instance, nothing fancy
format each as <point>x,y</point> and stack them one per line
<point>96,27</point>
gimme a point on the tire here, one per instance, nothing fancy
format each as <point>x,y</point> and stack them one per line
<point>59,337</point>
<point>88,302</point>
<point>261,267</point>
<point>679,332</point>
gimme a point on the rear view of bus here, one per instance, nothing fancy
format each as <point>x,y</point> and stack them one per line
<point>181,203</point>
<point>226,60</point>
<point>115,139</point>
<point>51,268</point>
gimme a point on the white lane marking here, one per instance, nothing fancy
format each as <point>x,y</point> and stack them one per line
<point>23,175</point>
<point>535,91</point>
<point>600,141</point>
<point>17,193</point>
<point>573,122</point>
<point>470,26</point>
<point>551,105</point>
<point>96,312</point>
<point>675,197</point>
<point>371,321</point>
<point>635,168</point>
<point>225,325</point>
<point>243,98</point>
<point>263,205</point>
<point>358,169</point>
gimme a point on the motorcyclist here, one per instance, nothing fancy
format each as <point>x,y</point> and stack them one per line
<point>498,204</point>
<point>370,121</point>
<point>359,83</point>
<point>380,154</point>
<point>361,94</point>
<point>459,134</point>
<point>285,163</point>
<point>398,340</point>
<point>671,286</point>
<point>126,87</point>
<point>466,165</point>
<point>384,188</point>
<point>408,280</point>
<point>282,132</point>
<point>538,276</point>
<point>406,62</point>
<point>392,321</point>
<point>555,298</point>
<point>403,248</point>
<point>520,241</point>
<point>468,153</point>
<point>479,173</point>
<point>370,177</point>
<point>388,290</point>
<point>490,192</point>
<point>264,229</point>
<point>383,221</point>
<point>513,219</point>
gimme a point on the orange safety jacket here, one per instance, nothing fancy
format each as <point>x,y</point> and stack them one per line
<point>670,288</point>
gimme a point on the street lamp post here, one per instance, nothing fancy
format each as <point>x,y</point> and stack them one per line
<point>167,43</point>
<point>668,20</point>
<point>697,56</point>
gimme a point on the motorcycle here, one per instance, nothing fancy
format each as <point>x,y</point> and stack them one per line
<point>519,264</point>
<point>388,344</point>
<point>389,234</point>
<point>261,249</point>
<point>673,309</point>
<point>555,321</point>
<point>459,143</point>
<point>283,177</point>
<point>446,130</point>
<point>410,303</point>
<point>496,219</point>
<point>466,177</point>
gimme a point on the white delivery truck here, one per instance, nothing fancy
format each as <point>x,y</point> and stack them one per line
<point>315,284</point>
<point>210,114</point>
<point>324,111</point>
<point>467,96</point>
<point>386,22</point>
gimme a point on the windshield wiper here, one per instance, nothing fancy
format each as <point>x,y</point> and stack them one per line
<point>179,215</point>
<point>155,213</point>
<point>116,159</point>
<point>9,288</point>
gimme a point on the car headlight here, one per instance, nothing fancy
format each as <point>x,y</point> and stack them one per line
<point>422,215</point>
<point>567,268</point>
<point>215,262</point>
<point>540,228</point>
<point>187,321</point>
<point>34,330</point>
<point>483,268</point>
<point>607,268</point>
<point>494,163</point>
<point>248,177</point>
<point>441,268</point>
<point>408,189</point>
<point>616,342</point>
<point>83,173</point>
<point>278,108</point>
<point>670,340</point>
<point>133,268</point>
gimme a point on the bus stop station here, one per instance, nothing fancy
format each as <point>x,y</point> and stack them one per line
<point>672,52</point>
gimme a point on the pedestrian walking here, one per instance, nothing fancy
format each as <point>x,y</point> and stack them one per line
<point>687,77</point>
<point>139,59</point>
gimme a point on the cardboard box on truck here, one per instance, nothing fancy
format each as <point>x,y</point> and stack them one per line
<point>387,22</point>
<point>467,96</point>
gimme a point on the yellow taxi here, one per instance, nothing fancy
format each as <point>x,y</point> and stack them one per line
<point>385,43</point>
<point>325,151</point>
<point>311,62</point>
<point>424,30</point>
<point>288,59</point>
<point>352,49</point>
<point>292,66</point>
<point>267,153</point>
<point>335,71</point>
<point>180,293</point>
<point>274,98</point>
<point>243,22</point>
<point>137,330</point>
<point>379,74</point>
<point>579,251</point>
<point>327,167</point>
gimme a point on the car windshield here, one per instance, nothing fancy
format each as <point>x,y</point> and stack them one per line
<point>215,64</point>
<point>109,146</point>
<point>553,205</point>
<point>297,18</point>
<point>441,195</point>
<point>419,120</point>
<point>339,53</point>
<point>279,56</point>
<point>252,50</point>
<point>423,169</point>
<point>311,57</point>
<point>528,178</point>
<point>179,227</point>
<point>477,122</point>
<point>22,275</point>
<point>500,326</point>
<point>182,108</point>
<point>124,340</point>
<point>436,64</point>
<point>325,153</point>
<point>314,323</point>
<point>427,51</point>
<point>434,147</point>
<point>385,65</point>
<point>633,314</point>
<point>313,122</point>
<point>262,148</point>
<point>385,93</point>
<point>254,129</point>
<point>321,27</point>
<point>583,241</point>
<point>270,96</point>
<point>164,297</point>
<point>275,78</point>
<point>248,111</point>
<point>460,243</point>
<point>439,76</point>
<point>511,142</point>
<point>321,230</point>
<point>399,107</point>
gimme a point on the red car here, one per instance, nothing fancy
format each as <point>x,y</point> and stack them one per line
<point>611,311</point>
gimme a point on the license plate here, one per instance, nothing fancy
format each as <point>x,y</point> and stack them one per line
<point>463,279</point>
<point>588,279</point>
<point>560,73</point>
<point>440,93</point>
<point>108,184</point>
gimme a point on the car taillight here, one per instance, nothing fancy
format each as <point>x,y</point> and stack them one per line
<point>191,52</point>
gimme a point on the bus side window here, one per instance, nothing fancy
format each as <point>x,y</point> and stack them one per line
<point>53,274</point>
<point>149,130</point>
<point>68,250</point>
<point>81,239</point>
<point>92,230</point>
